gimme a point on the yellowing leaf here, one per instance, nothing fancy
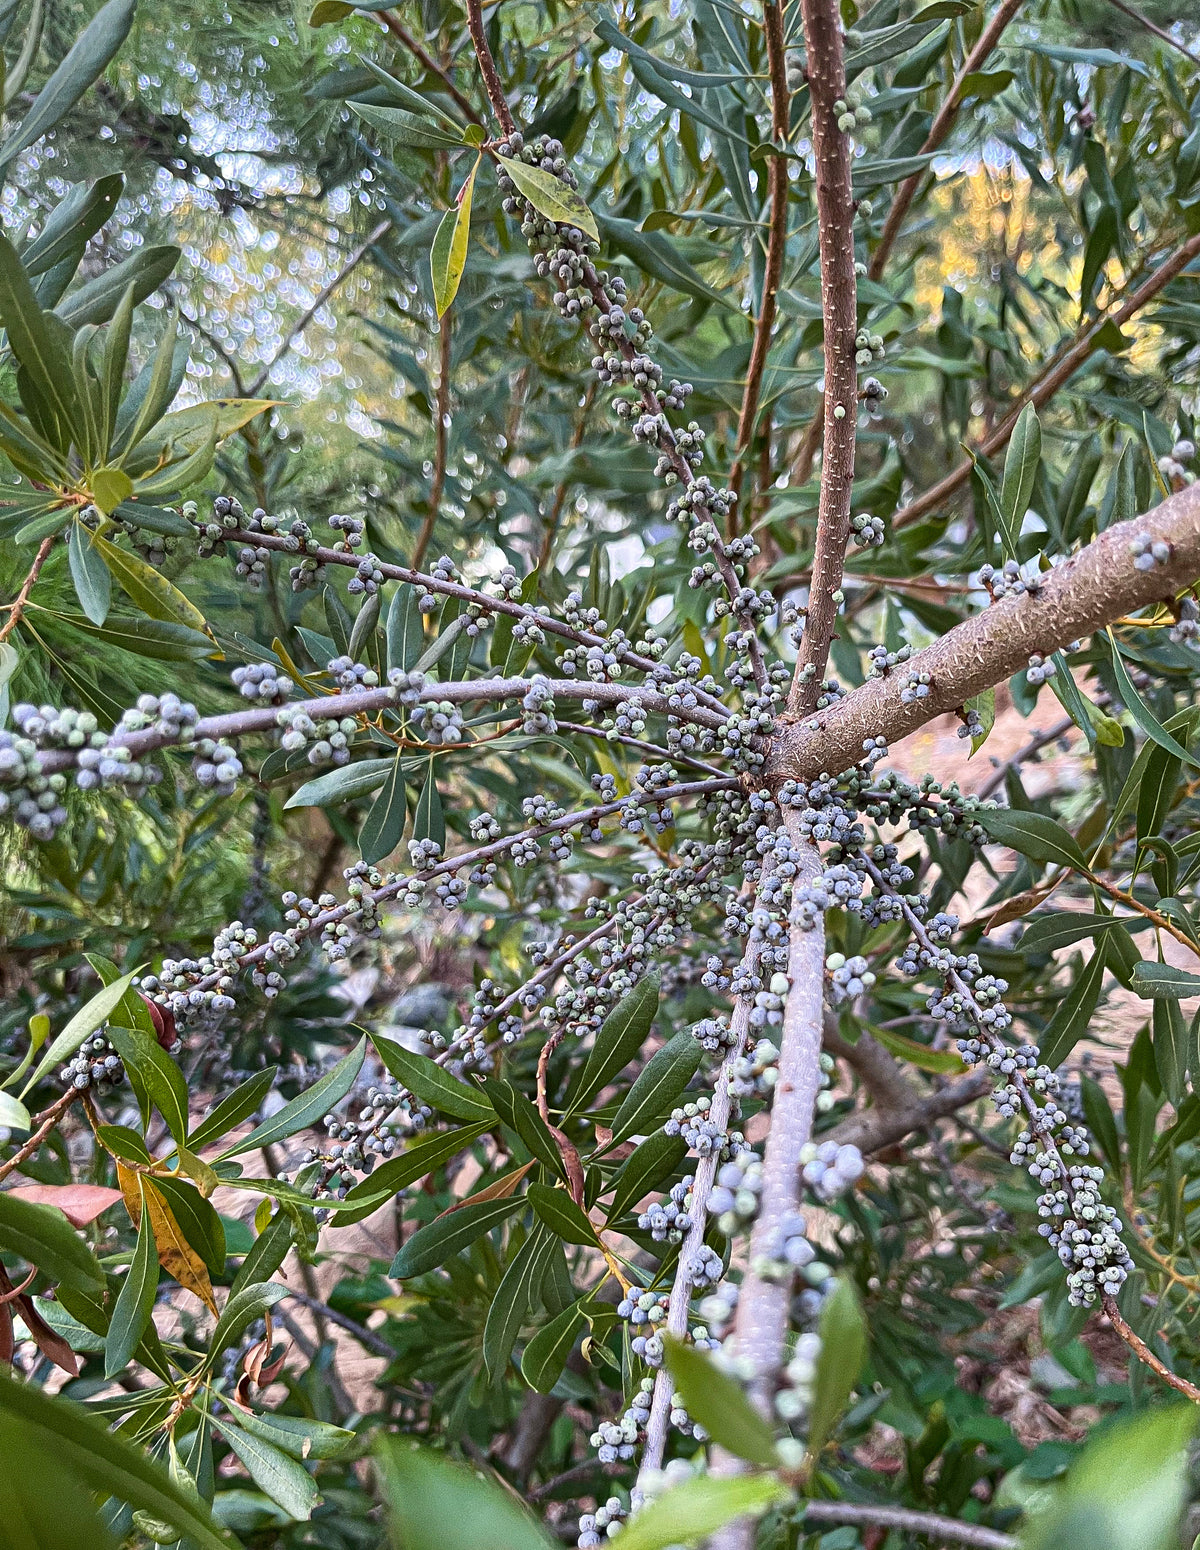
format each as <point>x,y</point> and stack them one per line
<point>448,256</point>
<point>175,1254</point>
<point>187,430</point>
<point>110,486</point>
<point>550,197</point>
<point>149,589</point>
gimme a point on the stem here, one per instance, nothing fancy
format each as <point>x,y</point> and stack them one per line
<point>1159,32</point>
<point>442,414</point>
<point>1140,1349</point>
<point>839,301</point>
<point>46,1122</point>
<point>487,65</point>
<point>907,1521</point>
<point>17,607</point>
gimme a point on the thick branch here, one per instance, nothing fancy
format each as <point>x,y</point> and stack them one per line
<point>1095,586</point>
<point>1058,372</point>
<point>907,1521</point>
<point>871,1130</point>
<point>835,227</point>
<point>487,65</point>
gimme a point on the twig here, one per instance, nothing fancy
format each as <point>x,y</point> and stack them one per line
<point>1140,1349</point>
<point>440,437</point>
<point>1096,584</point>
<point>322,297</point>
<point>16,608</point>
<point>932,1524</point>
<point>47,1119</point>
<point>487,65</point>
<point>1057,372</point>
<point>422,54</point>
<point>872,1130</point>
<point>939,129</point>
<point>1159,32</point>
<point>1033,747</point>
<point>835,229</point>
<point>373,1342</point>
<point>777,196</point>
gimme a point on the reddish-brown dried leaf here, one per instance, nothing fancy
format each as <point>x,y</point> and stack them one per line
<point>49,1342</point>
<point>79,1203</point>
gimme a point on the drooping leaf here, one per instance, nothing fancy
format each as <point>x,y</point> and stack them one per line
<point>428,821</point>
<point>148,588</point>
<point>308,1107</point>
<point>448,256</point>
<point>843,1349</point>
<point>1074,1012</point>
<point>383,826</point>
<point>546,1354</point>
<point>431,1083</point>
<point>436,1504</point>
<point>287,1483</point>
<point>93,584</point>
<point>518,1290</point>
<point>1033,835</point>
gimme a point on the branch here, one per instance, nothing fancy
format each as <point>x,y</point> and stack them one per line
<point>1159,32</point>
<point>322,297</point>
<point>871,1130</point>
<point>909,1522</point>
<point>374,1343</point>
<point>1140,1349</point>
<point>16,608</point>
<point>487,65</point>
<point>1096,585</point>
<point>422,54</point>
<point>48,1119</point>
<point>777,196</point>
<point>939,129</point>
<point>839,293</point>
<point>1058,371</point>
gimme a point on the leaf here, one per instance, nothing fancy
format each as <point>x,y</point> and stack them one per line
<point>106,1462</point>
<point>135,1301</point>
<point>93,584</point>
<point>428,822</point>
<point>288,1484</point>
<point>1126,1491</point>
<point>1164,980</point>
<point>984,705</point>
<point>448,256</point>
<point>652,1162</point>
<point>661,1081</point>
<point>516,1294</point>
<point>383,826</point>
<point>79,1203</point>
<point>328,11</point>
<point>431,1083</point>
<point>202,1231</point>
<point>187,430</point>
<point>36,339</point>
<point>562,1215</point>
<point>85,62</point>
<point>440,1240</point>
<point>100,299</point>
<point>941,1062</point>
<point>1170,1039</point>
<point>154,1075</point>
<point>245,1305</point>
<point>843,1350</point>
<point>1045,933</point>
<point>686,1514</point>
<point>42,1235</point>
<point>435,1504</point>
<point>155,639</point>
<point>110,486</point>
<point>415,1162</point>
<point>546,1354</point>
<point>234,1108</point>
<point>148,588</point>
<point>41,1506</point>
<point>342,785</point>
<point>1141,712</point>
<point>1033,835</point>
<point>307,1107</point>
<point>92,1015</point>
<point>619,1040</point>
<point>549,197</point>
<point>407,127</point>
<point>720,1404</point>
<point>1073,1015</point>
<point>405,628</point>
<point>297,1435</point>
<point>1156,792</point>
<point>13,1113</point>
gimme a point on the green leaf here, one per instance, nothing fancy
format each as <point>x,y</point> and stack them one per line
<point>13,1113</point>
<point>234,1108</point>
<point>185,431</point>
<point>153,1070</point>
<point>154,639</point>
<point>720,1404</point>
<point>93,584</point>
<point>1033,835</point>
<point>297,1435</point>
<point>661,1081</point>
<point>43,1236</point>
<point>1141,712</point>
<point>428,821</point>
<point>431,1083</point>
<point>1073,1015</point>
<point>84,1449</point>
<point>42,1507</point>
<point>1126,1491</point>
<point>407,127</point>
<point>448,256</point>
<point>1170,1038</point>
<point>436,1504</point>
<point>327,11</point>
<point>546,1354</point>
<point>516,1294</point>
<point>519,1113</point>
<point>688,1513</point>
<point>654,1160</point>
<point>1046,933</point>
<point>843,1333</point>
<point>562,1215</point>
<point>984,705</point>
<point>100,299</point>
<point>197,1219</point>
<point>287,1483</point>
<point>941,1062</point>
<point>416,1161</point>
<point>245,1305</point>
<point>148,588</point>
<point>308,1107</point>
<point>619,1040</point>
<point>1153,981</point>
<point>110,486</point>
<point>405,629</point>
<point>383,826</point>
<point>92,1015</point>
<point>85,62</point>
<point>135,1303</point>
<point>1157,792</point>
<point>438,1241</point>
<point>342,785</point>
<point>549,197</point>
<point>36,340</point>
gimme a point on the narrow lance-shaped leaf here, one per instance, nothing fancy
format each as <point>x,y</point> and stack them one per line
<point>308,1107</point>
<point>448,256</point>
<point>665,1076</point>
<point>843,1350</point>
<point>135,1302</point>
<point>383,826</point>
<point>720,1404</point>
<point>93,582</point>
<point>92,1015</point>
<point>550,197</point>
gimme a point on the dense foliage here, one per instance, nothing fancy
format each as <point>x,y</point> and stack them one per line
<point>503,1041</point>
